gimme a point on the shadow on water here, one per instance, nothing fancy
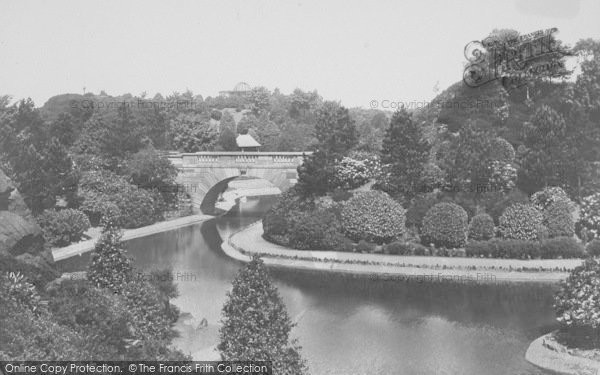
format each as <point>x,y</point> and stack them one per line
<point>349,324</point>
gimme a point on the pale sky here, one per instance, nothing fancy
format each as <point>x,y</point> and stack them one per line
<point>349,50</point>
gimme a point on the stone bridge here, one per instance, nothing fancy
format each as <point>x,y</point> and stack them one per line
<point>199,172</point>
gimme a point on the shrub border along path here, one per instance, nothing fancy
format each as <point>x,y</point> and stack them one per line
<point>249,241</point>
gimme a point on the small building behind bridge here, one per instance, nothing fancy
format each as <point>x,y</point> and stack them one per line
<point>246,142</point>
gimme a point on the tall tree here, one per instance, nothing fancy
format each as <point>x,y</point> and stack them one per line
<point>259,100</point>
<point>256,325</point>
<point>110,268</point>
<point>335,131</point>
<point>37,162</point>
<point>227,133</point>
<point>404,154</point>
<point>547,157</point>
<point>192,133</point>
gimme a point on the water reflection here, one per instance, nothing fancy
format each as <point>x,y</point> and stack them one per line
<point>348,325</point>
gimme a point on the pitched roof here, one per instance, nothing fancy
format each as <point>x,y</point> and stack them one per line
<point>246,140</point>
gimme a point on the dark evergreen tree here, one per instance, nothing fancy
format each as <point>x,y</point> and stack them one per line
<point>314,175</point>
<point>335,131</point>
<point>227,133</point>
<point>256,325</point>
<point>110,268</point>
<point>404,154</point>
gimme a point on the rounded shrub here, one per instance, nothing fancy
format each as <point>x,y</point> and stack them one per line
<point>549,195</point>
<point>308,230</point>
<point>505,249</point>
<point>521,222</point>
<point>496,202</point>
<point>63,227</point>
<point>373,216</point>
<point>562,247</point>
<point>277,221</point>
<point>577,306</point>
<point>559,220</point>
<point>445,225</point>
<point>398,248</point>
<point>502,150</point>
<point>590,215</point>
<point>350,173</point>
<point>481,227</point>
<point>365,247</point>
<point>335,241</point>
<point>593,248</point>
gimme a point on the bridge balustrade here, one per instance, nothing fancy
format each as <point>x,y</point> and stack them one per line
<point>206,159</point>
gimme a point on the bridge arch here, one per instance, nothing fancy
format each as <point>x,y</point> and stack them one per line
<point>199,172</point>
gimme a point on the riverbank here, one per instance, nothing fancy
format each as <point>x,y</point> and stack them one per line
<point>249,241</point>
<point>547,354</point>
<point>128,234</point>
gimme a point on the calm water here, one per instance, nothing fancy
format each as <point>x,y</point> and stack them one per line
<point>350,326</point>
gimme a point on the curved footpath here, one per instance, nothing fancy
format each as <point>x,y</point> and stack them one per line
<point>249,241</point>
<point>546,354</point>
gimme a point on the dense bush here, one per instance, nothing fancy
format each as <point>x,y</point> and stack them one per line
<point>495,203</point>
<point>444,252</point>
<point>340,195</point>
<point>558,219</point>
<point>481,227</point>
<point>110,268</point>
<point>102,190</point>
<point>398,248</point>
<point>27,336</point>
<point>501,248</point>
<point>308,230</point>
<point>37,271</point>
<point>432,177</point>
<point>336,241</point>
<point>593,248</point>
<point>63,227</point>
<point>562,247</point>
<point>373,216</point>
<point>590,215</point>
<point>502,176</point>
<point>418,208</point>
<point>350,173</point>
<point>149,171</point>
<point>577,306</point>
<point>502,150</point>
<point>406,248</point>
<point>445,225</point>
<point>99,316</point>
<point>254,309</point>
<point>151,310</point>
<point>544,198</point>
<point>521,222</point>
<point>365,247</point>
<point>276,220</point>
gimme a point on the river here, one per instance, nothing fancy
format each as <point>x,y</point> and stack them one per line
<point>352,325</point>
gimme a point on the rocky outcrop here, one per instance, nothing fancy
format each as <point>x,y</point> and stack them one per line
<point>22,246</point>
<point>19,236</point>
<point>11,200</point>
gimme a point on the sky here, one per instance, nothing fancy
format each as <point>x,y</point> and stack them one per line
<point>348,50</point>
